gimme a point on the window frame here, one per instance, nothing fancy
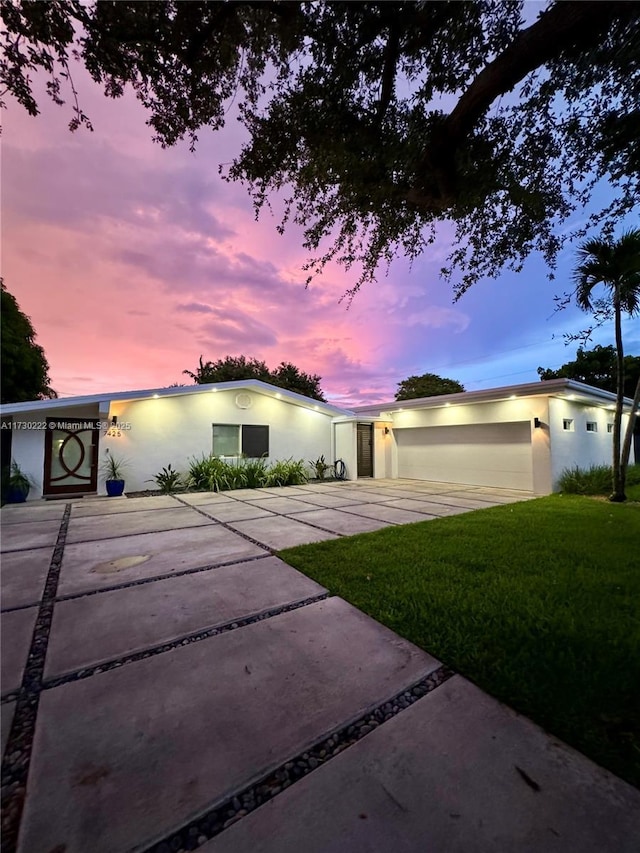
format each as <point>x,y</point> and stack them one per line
<point>249,436</point>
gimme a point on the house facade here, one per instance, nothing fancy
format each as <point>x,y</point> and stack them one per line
<point>519,437</point>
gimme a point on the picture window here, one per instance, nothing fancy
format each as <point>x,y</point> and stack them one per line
<point>250,440</point>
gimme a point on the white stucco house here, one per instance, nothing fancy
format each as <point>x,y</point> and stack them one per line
<point>518,437</point>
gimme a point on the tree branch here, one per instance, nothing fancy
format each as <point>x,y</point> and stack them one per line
<point>565,26</point>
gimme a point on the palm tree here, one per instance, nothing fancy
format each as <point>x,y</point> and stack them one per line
<point>616,265</point>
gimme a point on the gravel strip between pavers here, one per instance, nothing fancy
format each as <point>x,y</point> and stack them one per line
<point>256,541</point>
<point>183,640</point>
<point>234,808</point>
<point>17,756</point>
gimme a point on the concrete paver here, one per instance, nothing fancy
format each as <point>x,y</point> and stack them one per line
<point>91,528</point>
<point>16,631</point>
<point>279,532</point>
<point>340,522</point>
<point>443,776</point>
<point>110,506</point>
<point>389,514</point>
<point>361,495</point>
<point>283,506</point>
<point>121,758</point>
<point>37,534</point>
<point>197,498</point>
<point>30,512</point>
<point>244,494</point>
<point>333,500</point>
<point>23,576</point>
<point>6,718</point>
<point>97,565</point>
<point>455,500</point>
<point>97,628</point>
<point>489,499</point>
<point>416,504</point>
<point>233,511</point>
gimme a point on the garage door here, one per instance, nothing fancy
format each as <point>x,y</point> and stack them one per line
<point>479,454</point>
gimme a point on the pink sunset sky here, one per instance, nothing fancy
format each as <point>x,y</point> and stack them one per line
<point>132,261</point>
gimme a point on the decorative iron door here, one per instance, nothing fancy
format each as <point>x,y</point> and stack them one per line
<point>71,456</point>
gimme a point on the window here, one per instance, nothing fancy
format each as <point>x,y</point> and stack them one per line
<point>226,439</point>
<point>234,439</point>
<point>609,427</point>
<point>567,424</point>
<point>592,426</point>
<point>255,441</point>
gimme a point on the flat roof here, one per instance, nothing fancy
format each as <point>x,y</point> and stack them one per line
<point>567,388</point>
<point>174,391</point>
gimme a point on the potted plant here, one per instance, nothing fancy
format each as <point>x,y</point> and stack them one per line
<point>113,469</point>
<point>17,485</point>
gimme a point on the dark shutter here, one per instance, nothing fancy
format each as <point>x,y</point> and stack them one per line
<point>255,441</point>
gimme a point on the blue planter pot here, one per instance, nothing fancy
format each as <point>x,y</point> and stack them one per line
<point>115,488</point>
<point>16,495</point>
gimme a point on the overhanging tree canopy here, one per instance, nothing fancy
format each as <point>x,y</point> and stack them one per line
<point>380,119</point>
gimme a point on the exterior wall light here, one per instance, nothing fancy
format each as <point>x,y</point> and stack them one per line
<point>537,423</point>
<point>387,430</point>
<point>114,420</point>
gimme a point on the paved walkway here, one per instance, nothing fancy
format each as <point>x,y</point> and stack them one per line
<point>170,684</point>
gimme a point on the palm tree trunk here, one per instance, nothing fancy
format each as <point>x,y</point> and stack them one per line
<point>628,436</point>
<point>618,480</point>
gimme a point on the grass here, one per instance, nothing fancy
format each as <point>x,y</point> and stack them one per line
<point>536,602</point>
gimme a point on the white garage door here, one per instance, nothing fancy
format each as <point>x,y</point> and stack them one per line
<point>479,454</point>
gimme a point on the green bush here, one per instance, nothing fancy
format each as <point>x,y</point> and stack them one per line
<point>168,481</point>
<point>320,467</point>
<point>288,472</point>
<point>212,474</point>
<point>208,474</point>
<point>255,473</point>
<point>633,475</point>
<point>596,480</point>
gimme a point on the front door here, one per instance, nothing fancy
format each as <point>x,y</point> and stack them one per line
<point>365,450</point>
<point>71,456</point>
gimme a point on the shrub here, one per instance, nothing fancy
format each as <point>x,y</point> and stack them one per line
<point>288,472</point>
<point>208,474</point>
<point>168,481</point>
<point>255,473</point>
<point>596,480</point>
<point>320,467</point>
<point>212,474</point>
<point>633,475</point>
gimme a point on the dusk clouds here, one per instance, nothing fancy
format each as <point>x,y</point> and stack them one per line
<point>133,261</point>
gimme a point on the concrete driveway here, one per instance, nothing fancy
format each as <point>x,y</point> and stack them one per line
<point>169,684</point>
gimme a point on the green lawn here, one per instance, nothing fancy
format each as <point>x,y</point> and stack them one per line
<point>536,602</point>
